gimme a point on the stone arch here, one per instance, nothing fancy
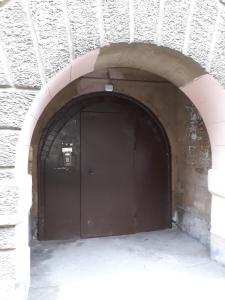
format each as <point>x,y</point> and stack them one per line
<point>202,89</point>
<point>3,2</point>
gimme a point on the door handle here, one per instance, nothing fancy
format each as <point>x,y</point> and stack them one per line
<point>91,172</point>
<point>63,169</point>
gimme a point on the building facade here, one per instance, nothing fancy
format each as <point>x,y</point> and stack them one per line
<point>168,55</point>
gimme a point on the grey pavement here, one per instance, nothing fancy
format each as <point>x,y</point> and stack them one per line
<point>164,264</point>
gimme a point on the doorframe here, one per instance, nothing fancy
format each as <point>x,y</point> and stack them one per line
<point>56,123</point>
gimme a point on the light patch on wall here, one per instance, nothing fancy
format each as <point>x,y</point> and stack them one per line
<point>195,124</point>
<point>3,2</point>
<point>204,155</point>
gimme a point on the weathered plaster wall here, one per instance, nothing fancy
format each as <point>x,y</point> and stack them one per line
<point>13,241</point>
<point>193,160</point>
<point>37,38</point>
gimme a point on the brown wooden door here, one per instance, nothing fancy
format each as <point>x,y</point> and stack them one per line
<point>119,178</point>
<point>107,196</point>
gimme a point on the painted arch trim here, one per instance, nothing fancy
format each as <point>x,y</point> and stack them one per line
<point>201,88</point>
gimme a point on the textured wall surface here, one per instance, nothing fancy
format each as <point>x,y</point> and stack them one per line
<point>3,78</point>
<point>115,21</point>
<point>145,21</point>
<point>8,140</point>
<point>82,38</point>
<point>17,45</point>
<point>175,17</point>
<point>202,30</point>
<point>40,37</point>
<point>14,106</point>
<point>49,24</point>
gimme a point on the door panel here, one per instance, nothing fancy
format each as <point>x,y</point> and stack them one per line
<point>62,185</point>
<point>107,145</point>
<point>151,176</point>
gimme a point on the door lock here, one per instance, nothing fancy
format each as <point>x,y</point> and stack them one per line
<point>91,172</point>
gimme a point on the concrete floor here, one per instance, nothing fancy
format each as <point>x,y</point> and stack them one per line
<point>164,264</point>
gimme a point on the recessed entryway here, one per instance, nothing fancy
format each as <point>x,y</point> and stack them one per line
<point>104,169</point>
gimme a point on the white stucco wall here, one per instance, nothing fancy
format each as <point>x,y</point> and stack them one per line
<point>40,37</point>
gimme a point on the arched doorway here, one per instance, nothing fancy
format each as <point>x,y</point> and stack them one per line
<point>104,169</point>
<point>203,90</point>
